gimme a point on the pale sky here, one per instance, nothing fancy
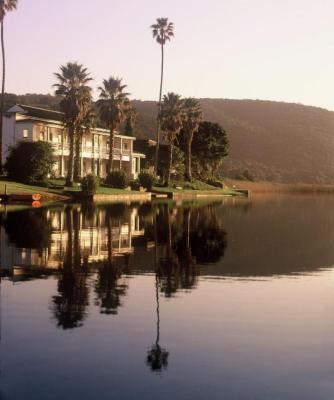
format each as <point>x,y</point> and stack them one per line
<point>257,49</point>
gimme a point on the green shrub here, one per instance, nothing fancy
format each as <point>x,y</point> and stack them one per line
<point>90,184</point>
<point>146,180</point>
<point>30,162</point>
<point>215,183</point>
<point>134,184</point>
<point>117,179</point>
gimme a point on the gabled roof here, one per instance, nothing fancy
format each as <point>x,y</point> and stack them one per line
<point>35,112</point>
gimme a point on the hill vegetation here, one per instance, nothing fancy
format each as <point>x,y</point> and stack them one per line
<point>274,141</point>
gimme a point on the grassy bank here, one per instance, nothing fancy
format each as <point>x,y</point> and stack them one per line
<point>271,187</point>
<point>194,188</point>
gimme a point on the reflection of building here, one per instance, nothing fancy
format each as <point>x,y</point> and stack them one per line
<point>92,235</point>
<point>33,124</point>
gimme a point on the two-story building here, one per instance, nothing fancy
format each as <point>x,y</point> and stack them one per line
<point>23,122</point>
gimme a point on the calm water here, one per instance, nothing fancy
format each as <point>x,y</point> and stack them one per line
<point>232,300</point>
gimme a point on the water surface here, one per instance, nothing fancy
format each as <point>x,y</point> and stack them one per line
<point>231,300</point>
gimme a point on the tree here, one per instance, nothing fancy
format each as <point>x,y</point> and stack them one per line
<point>30,162</point>
<point>112,105</point>
<point>162,32</point>
<point>88,121</point>
<point>5,6</point>
<point>191,119</point>
<point>131,116</point>
<point>171,116</point>
<point>209,147</point>
<point>76,101</point>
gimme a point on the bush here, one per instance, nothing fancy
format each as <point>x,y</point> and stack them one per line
<point>146,180</point>
<point>134,185</point>
<point>215,183</point>
<point>117,179</point>
<point>90,184</point>
<point>30,162</point>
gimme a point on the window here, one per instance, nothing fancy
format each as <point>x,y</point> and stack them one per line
<point>125,145</point>
<point>25,133</point>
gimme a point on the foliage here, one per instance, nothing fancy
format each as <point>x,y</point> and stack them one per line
<point>90,183</point>
<point>112,105</point>
<point>131,117</point>
<point>192,116</point>
<point>30,162</point>
<point>215,183</point>
<point>146,180</point>
<point>117,179</point>
<point>177,170</point>
<point>209,147</point>
<point>245,175</point>
<point>76,104</point>
<point>134,184</point>
<point>170,116</point>
<point>162,30</point>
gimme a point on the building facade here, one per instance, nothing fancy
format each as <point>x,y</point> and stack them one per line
<point>22,122</point>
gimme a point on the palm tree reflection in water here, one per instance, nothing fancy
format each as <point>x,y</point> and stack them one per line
<point>157,357</point>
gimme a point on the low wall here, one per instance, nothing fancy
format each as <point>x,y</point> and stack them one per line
<point>121,197</point>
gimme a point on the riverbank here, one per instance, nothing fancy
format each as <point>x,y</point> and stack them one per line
<point>56,191</point>
<point>271,187</point>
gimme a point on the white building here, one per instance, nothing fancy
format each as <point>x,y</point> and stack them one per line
<point>23,122</point>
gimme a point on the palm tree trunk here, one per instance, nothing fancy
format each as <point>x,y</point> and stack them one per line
<point>156,163</point>
<point>77,160</point>
<point>170,162</point>
<point>111,148</point>
<point>2,89</point>
<point>69,178</point>
<point>188,160</point>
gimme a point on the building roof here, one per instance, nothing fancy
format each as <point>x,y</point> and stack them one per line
<point>51,115</point>
<point>35,112</point>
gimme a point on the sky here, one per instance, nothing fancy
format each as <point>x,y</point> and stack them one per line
<point>280,50</point>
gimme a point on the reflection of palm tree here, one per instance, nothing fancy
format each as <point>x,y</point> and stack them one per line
<point>69,305</point>
<point>157,357</point>
<point>108,288</point>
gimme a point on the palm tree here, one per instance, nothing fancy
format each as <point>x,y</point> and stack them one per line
<point>5,6</point>
<point>162,32</point>
<point>112,105</point>
<point>171,117</point>
<point>131,116</point>
<point>75,104</point>
<point>191,119</point>
<point>88,122</point>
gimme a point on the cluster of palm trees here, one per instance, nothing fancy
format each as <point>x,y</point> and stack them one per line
<point>178,114</point>
<point>174,113</point>
<point>113,108</point>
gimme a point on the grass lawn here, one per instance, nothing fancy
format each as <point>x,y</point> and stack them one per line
<point>56,187</point>
<point>194,187</point>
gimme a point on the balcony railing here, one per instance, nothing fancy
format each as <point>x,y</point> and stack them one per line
<point>93,151</point>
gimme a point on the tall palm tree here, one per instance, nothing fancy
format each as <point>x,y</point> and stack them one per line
<point>112,105</point>
<point>76,101</point>
<point>5,6</point>
<point>192,117</point>
<point>171,117</point>
<point>162,32</point>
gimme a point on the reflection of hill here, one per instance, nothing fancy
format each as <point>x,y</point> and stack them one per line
<point>277,236</point>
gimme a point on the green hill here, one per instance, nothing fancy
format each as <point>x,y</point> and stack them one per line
<point>272,140</point>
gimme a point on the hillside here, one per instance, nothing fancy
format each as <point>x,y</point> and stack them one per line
<point>274,141</point>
